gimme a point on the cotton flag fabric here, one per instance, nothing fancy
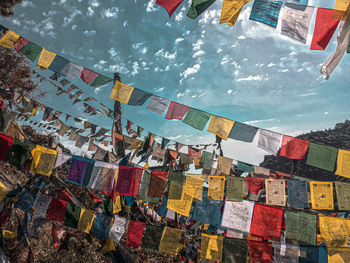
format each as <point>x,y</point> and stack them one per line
<point>220,126</point>
<point>339,255</point>
<point>80,170</point>
<point>325,27</point>
<point>269,141</point>
<point>267,222</point>
<point>88,76</point>
<point>275,192</point>
<point>340,8</point>
<point>46,58</point>
<point>170,241</point>
<point>157,105</point>
<point>143,191</point>
<point>309,254</point>
<point>121,92</point>
<point>297,194</point>
<point>43,160</point>
<point>125,181</point>
<point>169,5</point>
<point>41,205</point>
<point>195,181</point>
<point>5,145</point>
<point>321,195</point>
<point>196,118</point>
<point>294,148</point>
<point>20,43</point>
<point>135,232</point>
<point>72,70</point>
<point>182,206</point>
<point>296,20</point>
<point>103,176</point>
<point>138,97</point>
<point>266,11</point>
<point>244,167</point>
<point>343,162</point>
<point>286,253</point>
<point>9,39</point>
<point>207,160</point>
<point>102,224</point>
<point>216,187</point>
<point>260,251</point>
<point>86,220</point>
<point>151,237</point>
<point>99,81</point>
<point>198,7</point>
<point>300,228</point>
<point>26,200</point>
<point>261,170</point>
<point>254,184</point>
<point>194,153</point>
<point>224,165</point>
<point>72,215</point>
<point>118,228</point>
<point>157,183</point>
<point>238,216</point>
<point>343,195</point>
<point>230,11</point>
<point>334,231</point>
<point>243,132</point>
<point>31,51</point>
<point>211,247</point>
<point>235,250</point>
<point>322,156</point>
<point>234,189</point>
<point>207,211</point>
<point>56,210</point>
<point>58,64</point>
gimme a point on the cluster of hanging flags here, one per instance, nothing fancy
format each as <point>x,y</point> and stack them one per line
<point>235,223</point>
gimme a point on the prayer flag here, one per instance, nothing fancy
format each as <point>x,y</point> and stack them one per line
<point>184,159</point>
<point>72,70</point>
<point>343,162</point>
<point>138,97</point>
<point>297,194</point>
<point>46,58</point>
<point>99,81</point>
<point>260,251</point>
<point>230,11</point>
<point>151,238</point>
<point>9,39</point>
<point>334,231</point>
<point>224,165</point>
<point>268,140</point>
<point>157,183</point>
<point>322,156</point>
<point>58,64</point>
<point>261,170</point>
<point>103,176</point>
<point>339,255</point>
<point>175,190</point>
<point>325,27</point>
<point>243,132</point>
<point>211,247</point>
<point>41,205</point>
<point>56,210</point>
<point>26,200</point>
<point>19,152</point>
<point>266,11</point>
<point>102,224</point>
<point>275,192</point>
<point>126,180</point>
<point>220,126</point>
<point>72,215</point>
<point>198,7</point>
<point>21,43</point>
<point>196,118</point>
<point>321,195</point>
<point>311,254</point>
<point>169,5</point>
<point>87,75</point>
<point>194,153</point>
<point>5,145</point>
<point>216,187</point>
<point>176,111</point>
<point>182,206</point>
<point>157,105</point>
<point>254,184</point>
<point>43,160</point>
<point>80,170</point>
<point>340,7</point>
<point>144,186</point>
<point>234,191</point>
<point>195,181</point>
<point>294,148</point>
<point>86,220</point>
<point>267,222</point>
<point>343,195</point>
<point>207,211</point>
<point>170,241</point>
<point>296,20</point>
<point>135,232</point>
<point>235,250</point>
<point>207,160</point>
<point>238,216</point>
<point>121,92</point>
<point>300,228</point>
<point>244,167</point>
<point>118,228</point>
<point>286,253</point>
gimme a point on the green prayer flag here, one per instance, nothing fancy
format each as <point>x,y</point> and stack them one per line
<point>343,195</point>
<point>184,159</point>
<point>151,238</point>
<point>196,118</point>
<point>322,156</point>
<point>176,177</point>
<point>175,190</point>
<point>143,192</point>
<point>207,160</point>
<point>300,228</point>
<point>234,189</point>
<point>244,167</point>
<point>19,153</point>
<point>235,250</point>
<point>139,131</point>
<point>99,81</point>
<point>198,7</point>
<point>165,141</point>
<point>71,218</point>
<point>31,51</point>
<point>2,27</point>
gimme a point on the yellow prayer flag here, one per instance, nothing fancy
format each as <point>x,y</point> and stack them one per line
<point>230,11</point>
<point>121,92</point>
<point>224,165</point>
<point>8,234</point>
<point>216,187</point>
<point>343,163</point>
<point>341,5</point>
<point>86,220</point>
<point>3,192</point>
<point>211,247</point>
<point>117,207</point>
<point>321,195</point>
<point>334,231</point>
<point>9,39</point>
<point>183,205</point>
<point>109,246</point>
<point>339,255</point>
<point>220,126</point>
<point>46,58</point>
<point>194,183</point>
<point>170,241</point>
<point>43,160</point>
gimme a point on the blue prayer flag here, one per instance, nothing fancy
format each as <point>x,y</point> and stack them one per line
<point>266,11</point>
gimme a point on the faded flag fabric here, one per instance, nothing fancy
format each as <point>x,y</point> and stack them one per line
<point>211,247</point>
<point>151,237</point>
<point>339,255</point>
<point>72,70</point>
<point>87,75</point>
<point>266,11</point>
<point>5,145</point>
<point>195,181</point>
<point>254,184</point>
<point>194,153</point>
<point>286,253</point>
<point>207,211</point>
<point>103,176</point>
<point>224,165</point>
<point>138,97</point>
<point>235,250</point>
<point>230,11</point>
<point>31,51</point>
<point>72,215</point>
<point>321,195</point>
<point>260,251</point>
<point>297,194</point>
<point>343,162</point>
<point>216,187</point>
<point>56,210</point>
<point>58,64</point>
<point>322,156</point>
<point>121,92</point>
<point>9,39</point>
<point>26,200</point>
<point>86,220</point>
<point>182,206</point>
<point>125,181</point>
<point>294,148</point>
<point>118,228</point>
<point>61,159</point>
<point>334,231</point>
<point>170,241</point>
<point>43,160</point>
<point>300,228</point>
<point>99,81</point>
<point>80,170</point>
<point>157,105</point>
<point>234,189</point>
<point>169,5</point>
<point>143,192</point>
<point>244,167</point>
<point>269,141</point>
<point>198,7</point>
<point>134,234</point>
<point>176,111</point>
<point>343,195</point>
<point>157,183</point>
<point>196,118</point>
<point>310,254</point>
<point>46,58</point>
<point>275,192</point>
<point>207,160</point>
<point>102,224</point>
<point>41,205</point>
<point>220,126</point>
<point>238,216</point>
<point>243,132</point>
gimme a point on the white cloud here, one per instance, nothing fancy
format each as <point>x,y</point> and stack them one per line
<point>135,68</point>
<point>113,52</point>
<point>89,33</point>
<point>90,11</point>
<point>110,12</point>
<point>271,65</point>
<point>94,3</point>
<point>251,77</point>
<point>180,15</point>
<point>242,37</point>
<point>198,53</point>
<point>224,60</point>
<point>151,6</point>
<point>159,89</point>
<point>178,40</point>
<point>197,46</point>
<point>191,71</point>
<point>166,54</point>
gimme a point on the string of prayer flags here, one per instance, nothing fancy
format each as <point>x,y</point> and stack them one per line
<point>220,126</point>
<point>46,58</point>
<point>102,224</point>
<point>86,220</point>
<point>5,145</point>
<point>269,141</point>
<point>230,11</point>
<point>321,195</point>
<point>266,12</point>
<point>170,241</point>
<point>43,160</point>
<point>211,247</point>
<point>300,228</point>
<point>243,132</point>
<point>198,7</point>
<point>9,39</point>
<point>207,211</point>
<point>343,162</point>
<point>169,5</point>
<point>322,156</point>
<point>267,222</point>
<point>72,70</point>
<point>118,228</point>
<point>196,118</point>
<point>325,27</point>
<point>176,111</point>
<point>157,105</point>
<point>182,206</point>
<point>216,187</point>
<point>296,20</point>
<point>157,183</point>
<point>294,148</point>
<point>334,231</point>
<point>254,184</point>
<point>103,176</point>
<point>80,170</point>
<point>72,215</point>
<point>343,195</point>
<point>138,97</point>
<point>56,210</point>
<point>297,194</point>
<point>58,64</point>
<point>224,165</point>
<point>238,216</point>
<point>134,234</point>
<point>151,238</point>
<point>275,192</point>
<point>121,92</point>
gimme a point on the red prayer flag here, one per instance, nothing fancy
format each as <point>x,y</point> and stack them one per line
<point>254,184</point>
<point>125,181</point>
<point>294,148</point>
<point>65,196</point>
<point>57,210</point>
<point>135,232</point>
<point>260,251</point>
<point>194,153</point>
<point>325,27</point>
<point>137,181</point>
<point>21,43</point>
<point>57,234</point>
<point>87,75</point>
<point>5,144</point>
<point>176,111</point>
<point>157,183</point>
<point>169,5</point>
<point>267,222</point>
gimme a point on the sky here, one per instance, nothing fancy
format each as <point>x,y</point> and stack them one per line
<point>249,72</point>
